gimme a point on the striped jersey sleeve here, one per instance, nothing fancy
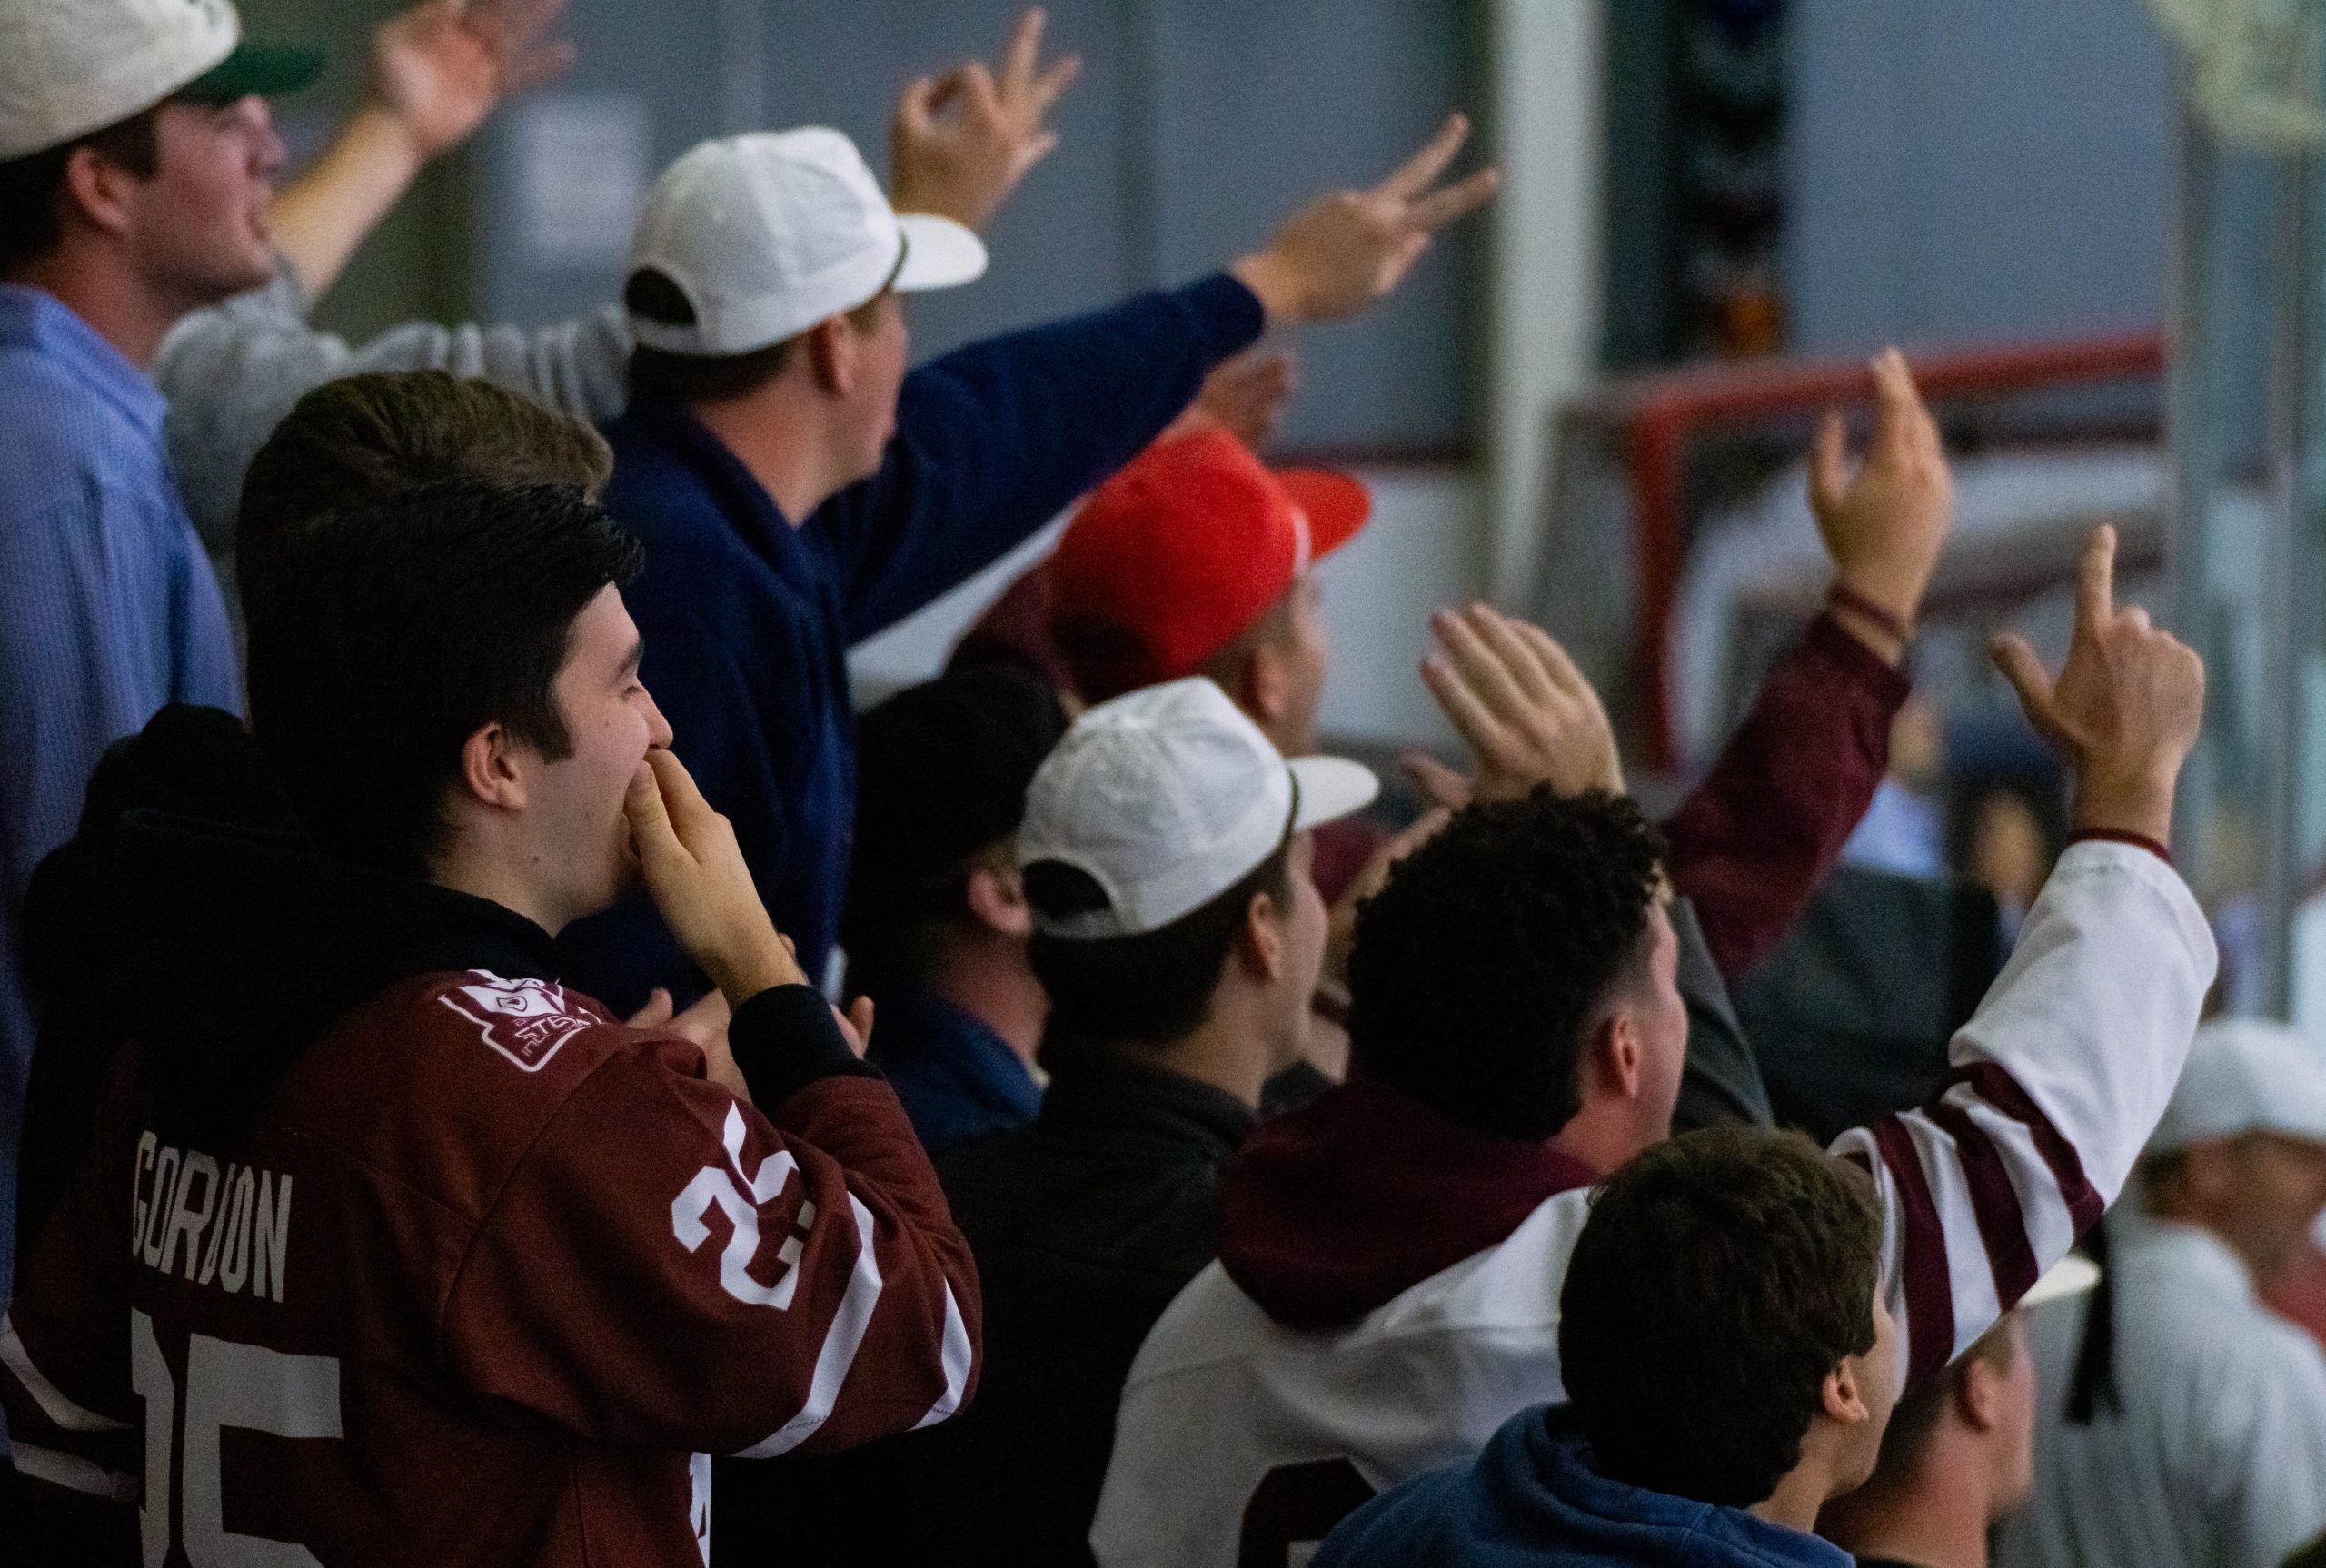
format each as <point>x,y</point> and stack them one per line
<point>2058,1080</point>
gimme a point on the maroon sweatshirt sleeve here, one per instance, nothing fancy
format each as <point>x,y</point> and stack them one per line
<point>1756,837</point>
<point>671,1268</point>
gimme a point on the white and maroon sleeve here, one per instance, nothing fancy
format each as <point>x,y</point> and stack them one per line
<point>2058,1080</point>
<point>75,1425</point>
<point>670,1268</point>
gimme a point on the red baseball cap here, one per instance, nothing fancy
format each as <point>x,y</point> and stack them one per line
<point>1169,560</point>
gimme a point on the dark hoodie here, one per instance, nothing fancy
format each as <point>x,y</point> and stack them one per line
<point>1531,1500</point>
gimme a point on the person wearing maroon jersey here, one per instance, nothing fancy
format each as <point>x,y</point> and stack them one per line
<point>391,1249</point>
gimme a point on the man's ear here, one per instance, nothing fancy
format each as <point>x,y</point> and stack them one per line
<point>489,769</point>
<point>1842,1399</point>
<point>98,190</point>
<point>1261,946</point>
<point>1267,684</point>
<point>1616,1056</point>
<point>997,899</point>
<point>1978,1393</point>
<point>831,348</point>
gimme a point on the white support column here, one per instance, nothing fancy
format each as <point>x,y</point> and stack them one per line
<point>1545,69</point>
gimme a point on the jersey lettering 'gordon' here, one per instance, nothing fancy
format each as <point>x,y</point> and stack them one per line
<point>229,1228</point>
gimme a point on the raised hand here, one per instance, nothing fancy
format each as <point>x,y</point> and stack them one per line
<point>2125,710</point>
<point>699,881</point>
<point>1884,525</point>
<point>960,141</point>
<point>1346,249</point>
<point>1244,396</point>
<point>438,69</point>
<point>1523,706</point>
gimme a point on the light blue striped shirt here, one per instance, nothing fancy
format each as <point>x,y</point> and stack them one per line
<point>108,611</point>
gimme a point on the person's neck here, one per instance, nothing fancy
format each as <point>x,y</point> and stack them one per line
<point>488,878</point>
<point>1936,1519</point>
<point>775,440</point>
<point>1228,1050</point>
<point>1602,1134</point>
<point>1804,1490</point>
<point>992,982</point>
<point>115,304</point>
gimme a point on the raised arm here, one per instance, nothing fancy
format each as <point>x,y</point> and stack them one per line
<point>1754,839</point>
<point>996,439</point>
<point>436,72</point>
<point>2061,1073</point>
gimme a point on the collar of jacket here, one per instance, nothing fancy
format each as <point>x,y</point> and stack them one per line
<point>1102,1094</point>
<point>235,946</point>
<point>1333,1210</point>
<point>741,501</point>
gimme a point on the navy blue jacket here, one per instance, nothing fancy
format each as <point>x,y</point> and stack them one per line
<point>748,620</point>
<point>1531,1499</point>
<point>957,1079</point>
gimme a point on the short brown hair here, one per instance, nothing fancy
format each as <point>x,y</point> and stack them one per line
<point>31,220</point>
<point>668,377</point>
<point>1721,1276</point>
<point>364,438</point>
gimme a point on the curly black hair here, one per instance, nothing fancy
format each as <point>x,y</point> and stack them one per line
<point>1478,967</point>
<point>1721,1275</point>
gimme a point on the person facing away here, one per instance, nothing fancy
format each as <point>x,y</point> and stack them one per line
<point>135,161</point>
<point>1515,1036</point>
<point>795,490</point>
<point>937,920</point>
<point>1732,1363</point>
<point>1164,852</point>
<point>2180,1421</point>
<point>960,141</point>
<point>1959,1456</point>
<point>1196,558</point>
<point>472,1272</point>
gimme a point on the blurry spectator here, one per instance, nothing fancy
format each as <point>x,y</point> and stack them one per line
<point>2181,1420</point>
<point>1391,1255</point>
<point>412,1193</point>
<point>957,145</point>
<point>1164,851</point>
<point>796,492</point>
<point>1960,1453</point>
<point>1735,1364</point>
<point>136,160</point>
<point>231,371</point>
<point>937,918</point>
<point>1905,829</point>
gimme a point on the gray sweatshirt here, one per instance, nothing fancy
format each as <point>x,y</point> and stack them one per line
<point>231,371</point>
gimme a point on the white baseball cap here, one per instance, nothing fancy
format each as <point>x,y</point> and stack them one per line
<point>768,234</point>
<point>1169,795</point>
<point>2245,1075</point>
<point>68,67</point>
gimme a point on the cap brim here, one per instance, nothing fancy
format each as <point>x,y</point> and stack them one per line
<point>267,69</point>
<point>2071,1276</point>
<point>1337,506</point>
<point>1331,787</point>
<point>940,253</point>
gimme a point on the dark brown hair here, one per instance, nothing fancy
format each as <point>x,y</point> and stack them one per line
<point>1722,1275</point>
<point>1482,964</point>
<point>364,438</point>
<point>668,377</point>
<point>32,187</point>
<point>1153,988</point>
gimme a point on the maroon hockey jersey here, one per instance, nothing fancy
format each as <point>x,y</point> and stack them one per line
<point>480,1279</point>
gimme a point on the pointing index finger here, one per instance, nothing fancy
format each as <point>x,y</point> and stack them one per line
<point>2095,586</point>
